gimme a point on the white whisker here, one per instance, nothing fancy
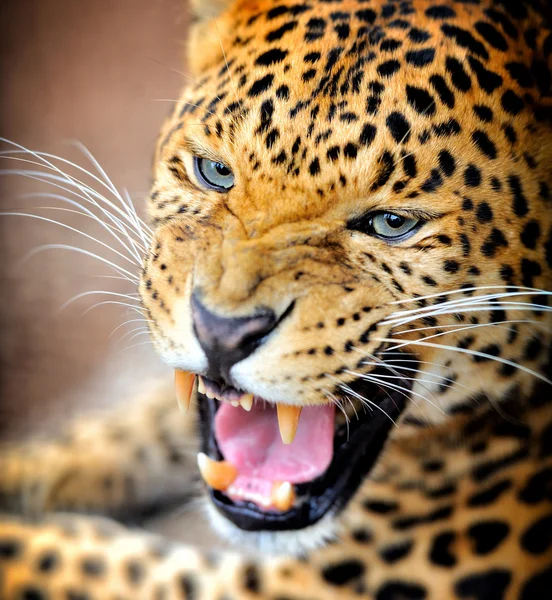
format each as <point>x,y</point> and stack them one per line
<point>198,83</point>
<point>65,226</point>
<point>95,293</point>
<point>364,400</point>
<point>521,289</point>
<point>410,369</point>
<point>53,180</point>
<point>226,61</point>
<point>138,222</point>
<point>407,391</point>
<point>339,405</point>
<point>458,328</point>
<point>468,352</point>
<point>187,103</point>
<point>128,322</point>
<point>138,226</point>
<point>380,362</point>
<point>119,269</point>
<point>148,343</point>
<point>141,226</point>
<point>42,156</point>
<point>136,334</point>
<point>114,302</point>
<point>116,277</point>
<point>84,212</point>
<point>444,311</point>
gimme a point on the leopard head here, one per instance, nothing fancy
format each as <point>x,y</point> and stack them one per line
<point>351,209</point>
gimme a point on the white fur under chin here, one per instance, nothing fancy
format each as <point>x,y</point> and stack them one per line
<point>279,543</point>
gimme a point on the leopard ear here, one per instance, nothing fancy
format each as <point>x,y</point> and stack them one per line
<point>209,33</point>
<point>204,10</point>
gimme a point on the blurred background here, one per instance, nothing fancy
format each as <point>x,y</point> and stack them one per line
<point>97,72</point>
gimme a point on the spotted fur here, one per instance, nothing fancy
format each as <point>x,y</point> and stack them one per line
<point>327,111</point>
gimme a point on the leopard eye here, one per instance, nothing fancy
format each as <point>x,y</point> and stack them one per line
<point>387,226</point>
<point>213,175</point>
<point>391,226</point>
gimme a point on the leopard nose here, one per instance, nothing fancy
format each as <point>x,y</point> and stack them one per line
<point>228,340</point>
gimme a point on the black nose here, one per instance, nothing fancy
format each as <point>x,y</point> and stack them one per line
<point>227,341</point>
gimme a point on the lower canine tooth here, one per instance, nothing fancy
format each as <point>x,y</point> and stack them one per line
<point>288,419</point>
<point>217,474</point>
<point>283,495</point>
<point>184,384</point>
<point>200,385</point>
<point>247,402</point>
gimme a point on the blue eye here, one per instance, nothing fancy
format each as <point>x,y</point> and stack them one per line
<point>387,226</point>
<point>392,226</point>
<point>213,175</point>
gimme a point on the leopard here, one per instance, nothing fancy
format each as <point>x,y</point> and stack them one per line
<point>349,271</point>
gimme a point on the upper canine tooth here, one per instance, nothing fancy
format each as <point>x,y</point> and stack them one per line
<point>184,384</point>
<point>200,385</point>
<point>217,474</point>
<point>283,495</point>
<point>246,402</point>
<point>288,419</point>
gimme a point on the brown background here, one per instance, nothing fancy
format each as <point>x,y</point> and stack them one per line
<point>94,72</point>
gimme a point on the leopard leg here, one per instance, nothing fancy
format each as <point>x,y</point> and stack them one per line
<point>73,557</point>
<point>124,463</point>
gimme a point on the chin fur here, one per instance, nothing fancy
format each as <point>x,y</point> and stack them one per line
<point>276,543</point>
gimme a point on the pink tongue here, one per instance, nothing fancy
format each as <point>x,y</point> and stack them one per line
<point>251,442</point>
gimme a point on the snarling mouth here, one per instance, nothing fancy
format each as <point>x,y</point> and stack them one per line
<point>280,467</point>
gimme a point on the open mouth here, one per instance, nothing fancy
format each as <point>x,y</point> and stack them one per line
<point>282,467</point>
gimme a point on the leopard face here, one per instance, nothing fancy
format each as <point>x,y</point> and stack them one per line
<point>352,208</point>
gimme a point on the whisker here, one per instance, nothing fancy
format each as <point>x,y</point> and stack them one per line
<point>339,405</point>
<point>410,128</point>
<point>95,293</point>
<point>410,369</point>
<point>421,362</point>
<point>129,333</point>
<point>198,83</point>
<point>426,362</point>
<point>141,225</point>
<point>84,212</point>
<point>178,101</point>
<point>118,268</point>
<point>457,328</point>
<point>148,343</point>
<point>407,391</point>
<point>468,352</point>
<point>65,226</point>
<point>117,277</point>
<point>128,322</point>
<point>528,290</point>
<point>115,302</point>
<point>134,215</point>
<point>53,180</point>
<point>418,380</point>
<point>136,334</point>
<point>226,60</point>
<point>367,402</point>
<point>515,306</point>
<point>359,397</point>
<point>407,396</point>
<point>41,156</point>
<point>381,362</point>
<point>72,181</point>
